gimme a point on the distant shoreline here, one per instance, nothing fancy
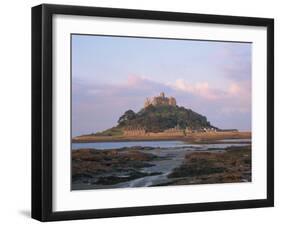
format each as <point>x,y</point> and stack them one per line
<point>192,137</point>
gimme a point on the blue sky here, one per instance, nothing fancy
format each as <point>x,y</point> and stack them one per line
<point>113,74</point>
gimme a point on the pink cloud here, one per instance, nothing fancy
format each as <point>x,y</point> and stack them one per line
<point>234,89</point>
<point>236,97</point>
<point>201,89</point>
<point>133,80</point>
<point>138,81</point>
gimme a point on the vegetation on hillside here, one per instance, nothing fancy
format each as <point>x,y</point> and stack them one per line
<point>162,117</point>
<point>114,131</point>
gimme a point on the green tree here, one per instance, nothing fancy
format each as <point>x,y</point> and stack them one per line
<point>127,116</point>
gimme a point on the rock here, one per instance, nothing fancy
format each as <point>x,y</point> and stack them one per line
<point>232,165</point>
<point>88,163</point>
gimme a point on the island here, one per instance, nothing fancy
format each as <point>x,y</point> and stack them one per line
<point>162,119</point>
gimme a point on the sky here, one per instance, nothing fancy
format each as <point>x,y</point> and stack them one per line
<point>111,75</point>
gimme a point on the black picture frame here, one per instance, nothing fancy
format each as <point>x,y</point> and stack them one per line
<point>42,107</point>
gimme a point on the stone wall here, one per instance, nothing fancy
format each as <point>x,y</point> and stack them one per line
<point>174,131</point>
<point>134,132</point>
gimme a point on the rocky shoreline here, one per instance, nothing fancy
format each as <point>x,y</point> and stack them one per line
<point>92,168</point>
<point>108,167</point>
<point>228,166</point>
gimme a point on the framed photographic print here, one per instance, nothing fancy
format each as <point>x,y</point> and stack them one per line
<point>140,112</point>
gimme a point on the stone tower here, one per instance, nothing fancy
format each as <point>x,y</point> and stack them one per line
<point>172,101</point>
<point>147,102</point>
<point>160,100</point>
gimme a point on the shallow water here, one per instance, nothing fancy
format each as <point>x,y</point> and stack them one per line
<point>173,160</point>
<point>236,140</point>
<point>154,144</point>
<point>122,144</point>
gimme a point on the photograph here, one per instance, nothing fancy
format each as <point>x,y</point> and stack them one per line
<point>144,112</point>
<point>149,111</point>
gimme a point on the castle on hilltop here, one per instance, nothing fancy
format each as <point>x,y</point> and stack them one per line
<point>160,100</point>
